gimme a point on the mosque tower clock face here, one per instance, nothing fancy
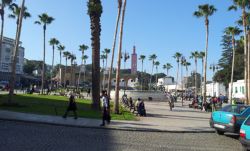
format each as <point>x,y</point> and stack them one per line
<point>134,61</point>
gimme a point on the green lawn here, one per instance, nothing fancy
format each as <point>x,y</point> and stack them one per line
<point>56,105</point>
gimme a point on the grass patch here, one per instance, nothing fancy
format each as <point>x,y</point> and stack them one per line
<point>56,105</point>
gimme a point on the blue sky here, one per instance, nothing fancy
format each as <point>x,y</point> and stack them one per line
<point>162,27</point>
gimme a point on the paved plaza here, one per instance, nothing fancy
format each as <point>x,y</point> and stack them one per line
<point>159,118</point>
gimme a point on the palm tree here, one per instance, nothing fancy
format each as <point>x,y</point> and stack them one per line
<point>142,57</point>
<point>84,58</point>
<point>16,46</point>
<point>167,67</point>
<point>177,56</point>
<point>232,31</point>
<point>202,56</point>
<point>60,48</point>
<point>117,88</point>
<point>106,53</point>
<point>95,12</point>
<point>44,20</point>
<point>114,44</point>
<point>195,55</point>
<point>205,11</point>
<point>2,12</point>
<point>152,58</point>
<point>157,63</point>
<point>72,57</point>
<point>66,54</point>
<point>82,48</point>
<point>103,58</point>
<point>53,42</point>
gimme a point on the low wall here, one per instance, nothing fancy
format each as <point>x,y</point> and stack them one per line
<point>135,94</point>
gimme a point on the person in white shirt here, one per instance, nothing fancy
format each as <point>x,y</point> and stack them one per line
<point>105,108</point>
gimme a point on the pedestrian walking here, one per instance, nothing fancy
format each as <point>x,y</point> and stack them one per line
<point>71,107</point>
<point>88,92</point>
<point>105,108</point>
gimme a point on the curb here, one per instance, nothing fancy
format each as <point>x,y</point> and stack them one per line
<point>109,127</point>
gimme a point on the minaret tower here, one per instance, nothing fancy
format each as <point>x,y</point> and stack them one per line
<point>134,61</point>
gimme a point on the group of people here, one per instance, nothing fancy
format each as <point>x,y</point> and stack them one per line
<point>138,105</point>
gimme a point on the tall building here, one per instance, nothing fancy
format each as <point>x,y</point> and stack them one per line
<point>134,61</point>
<point>5,60</point>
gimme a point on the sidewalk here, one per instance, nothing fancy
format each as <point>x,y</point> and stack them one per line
<point>159,119</point>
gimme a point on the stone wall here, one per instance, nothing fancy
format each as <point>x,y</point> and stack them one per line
<point>135,94</point>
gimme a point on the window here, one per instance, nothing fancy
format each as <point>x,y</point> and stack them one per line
<point>7,50</point>
<point>236,90</point>
<point>243,90</point>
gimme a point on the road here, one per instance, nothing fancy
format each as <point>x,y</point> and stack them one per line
<point>19,136</point>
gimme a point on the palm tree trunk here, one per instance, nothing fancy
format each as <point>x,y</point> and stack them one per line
<point>2,27</point>
<point>71,75</point>
<point>245,52</point>
<point>141,72</point>
<point>113,48</point>
<point>177,75</point>
<point>103,78</point>
<point>150,82</point>
<point>43,70</point>
<point>248,63</point>
<point>202,69</point>
<point>232,72</point>
<point>53,47</point>
<point>60,70</point>
<point>15,53</point>
<point>195,78</point>
<point>65,71</point>
<point>205,63</point>
<point>117,85</point>
<point>78,81</point>
<point>95,43</point>
<point>84,74</point>
<point>156,81</point>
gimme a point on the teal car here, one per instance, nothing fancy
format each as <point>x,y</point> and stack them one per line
<point>245,134</point>
<point>229,118</point>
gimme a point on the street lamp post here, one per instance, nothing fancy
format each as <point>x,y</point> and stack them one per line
<point>213,67</point>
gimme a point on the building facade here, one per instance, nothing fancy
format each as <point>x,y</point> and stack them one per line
<point>5,60</point>
<point>134,61</point>
<point>215,89</point>
<point>239,89</point>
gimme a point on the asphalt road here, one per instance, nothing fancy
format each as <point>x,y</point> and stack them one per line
<point>19,136</point>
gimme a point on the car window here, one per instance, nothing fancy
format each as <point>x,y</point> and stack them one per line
<point>247,122</point>
<point>234,108</point>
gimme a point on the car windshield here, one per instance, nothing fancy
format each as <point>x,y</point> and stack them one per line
<point>248,121</point>
<point>234,108</point>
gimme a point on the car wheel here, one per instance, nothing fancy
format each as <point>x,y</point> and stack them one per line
<point>219,132</point>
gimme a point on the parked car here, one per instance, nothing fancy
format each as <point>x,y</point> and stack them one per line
<point>3,84</point>
<point>245,134</point>
<point>229,118</point>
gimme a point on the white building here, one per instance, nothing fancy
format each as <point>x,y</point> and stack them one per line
<point>127,83</point>
<point>5,59</point>
<point>215,89</point>
<point>165,81</point>
<point>238,89</point>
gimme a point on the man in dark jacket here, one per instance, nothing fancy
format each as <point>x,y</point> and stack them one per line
<point>71,107</point>
<point>105,108</point>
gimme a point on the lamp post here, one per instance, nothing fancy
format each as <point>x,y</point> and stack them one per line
<point>213,67</point>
